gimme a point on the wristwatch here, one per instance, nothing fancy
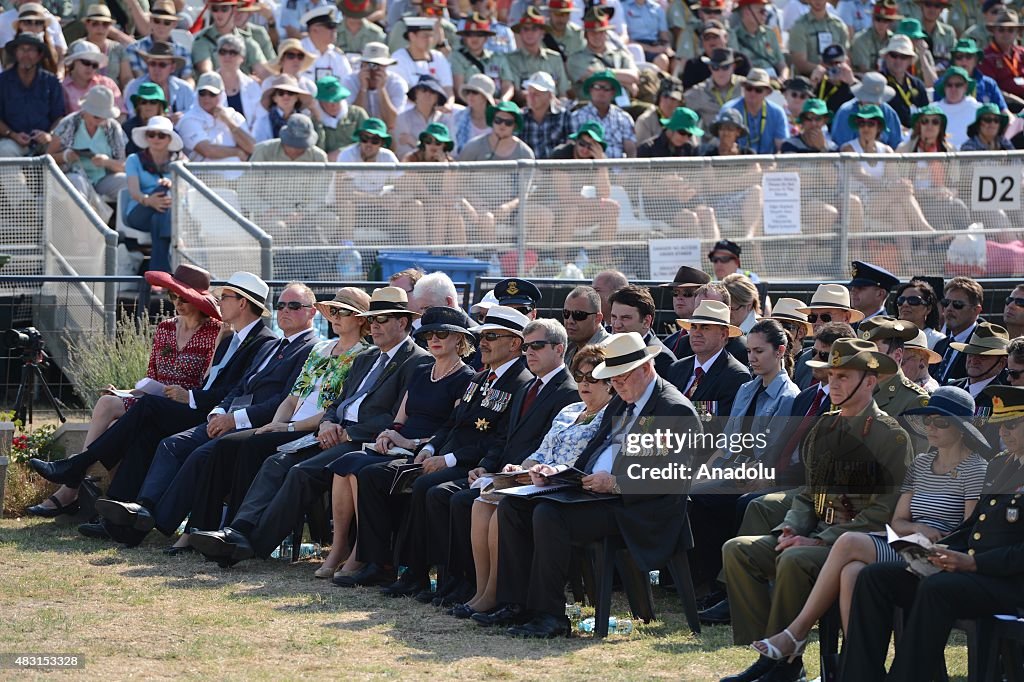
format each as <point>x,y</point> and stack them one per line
<point>291,427</point>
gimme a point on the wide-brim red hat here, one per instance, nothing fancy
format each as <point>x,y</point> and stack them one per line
<point>191,283</point>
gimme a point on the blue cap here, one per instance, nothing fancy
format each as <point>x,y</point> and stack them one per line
<point>868,275</point>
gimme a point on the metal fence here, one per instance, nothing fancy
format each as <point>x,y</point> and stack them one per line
<point>797,217</point>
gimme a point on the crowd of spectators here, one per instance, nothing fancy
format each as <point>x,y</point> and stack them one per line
<point>880,403</point>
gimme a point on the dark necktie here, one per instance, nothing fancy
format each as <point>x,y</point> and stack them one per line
<point>364,387</point>
<point>947,360</point>
<point>697,374</point>
<point>801,430</point>
<point>531,395</point>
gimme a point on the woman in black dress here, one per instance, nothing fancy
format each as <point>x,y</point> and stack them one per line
<point>432,394</point>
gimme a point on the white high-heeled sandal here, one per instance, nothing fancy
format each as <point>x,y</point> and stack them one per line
<point>773,652</point>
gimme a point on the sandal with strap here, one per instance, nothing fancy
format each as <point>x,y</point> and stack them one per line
<point>773,652</point>
<point>56,510</point>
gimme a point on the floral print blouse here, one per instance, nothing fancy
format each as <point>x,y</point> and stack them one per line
<point>326,372</point>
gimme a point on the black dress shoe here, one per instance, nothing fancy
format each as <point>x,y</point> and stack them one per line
<point>503,616</point>
<point>711,599</point>
<point>67,472</point>
<point>370,575</point>
<point>406,586</point>
<point>762,666</point>
<point>94,529</point>
<point>785,671</point>
<point>124,534</point>
<point>460,595</point>
<point>716,615</point>
<point>461,611</point>
<point>227,547</point>
<point>542,626</point>
<point>71,508</point>
<point>126,514</point>
<point>175,551</point>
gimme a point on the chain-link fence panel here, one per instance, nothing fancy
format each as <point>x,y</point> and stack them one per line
<point>21,216</point>
<point>796,217</point>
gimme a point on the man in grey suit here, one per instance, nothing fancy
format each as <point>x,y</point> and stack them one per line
<point>287,483</point>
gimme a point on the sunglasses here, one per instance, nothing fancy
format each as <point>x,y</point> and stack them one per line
<point>899,57</point>
<point>997,29</point>
<point>578,315</point>
<point>1019,302</point>
<point>1014,374</point>
<point>721,259</point>
<point>292,305</point>
<point>370,139</point>
<point>159,65</point>
<point>602,86</point>
<point>474,34</point>
<point>229,53</point>
<point>821,355</point>
<point>798,95</point>
<point>911,300</point>
<point>931,121</point>
<point>494,336</point>
<point>339,313</point>
<point>163,22</point>
<point>294,55</point>
<point>790,327</point>
<point>869,122</point>
<point>720,67</point>
<point>933,5</point>
<point>957,305</point>
<point>990,119</point>
<point>524,309</point>
<point>754,88</point>
<point>580,377</point>
<point>812,119</point>
<point>31,22</point>
<point>502,121</point>
<point>936,421</point>
<point>1012,424</point>
<point>91,65</point>
<point>824,317</point>
<point>536,345</point>
<point>430,141</point>
<point>381,319</point>
<point>157,135</point>
<point>441,334</point>
<point>285,93</point>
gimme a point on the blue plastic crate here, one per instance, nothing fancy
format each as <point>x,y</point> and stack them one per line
<point>461,270</point>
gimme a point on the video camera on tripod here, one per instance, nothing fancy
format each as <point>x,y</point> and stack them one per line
<point>30,342</point>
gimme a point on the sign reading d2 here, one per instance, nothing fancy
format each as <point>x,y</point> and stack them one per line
<point>996,188</point>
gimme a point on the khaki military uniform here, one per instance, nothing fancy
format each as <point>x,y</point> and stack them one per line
<point>761,49</point>
<point>897,394</point>
<point>572,40</point>
<point>869,452</point>
<point>396,38</point>
<point>205,47</point>
<point>707,100</point>
<point>810,36</point>
<point>866,49</point>
<point>369,32</point>
<point>463,66</point>
<point>518,66</point>
<point>942,40</point>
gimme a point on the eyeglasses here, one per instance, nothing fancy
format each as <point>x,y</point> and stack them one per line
<point>442,334</point>
<point>221,8</point>
<point>339,312</point>
<point>812,119</point>
<point>158,64</point>
<point>684,293</point>
<point>899,57</point>
<point>294,55</point>
<point>930,121</point>
<point>824,317</point>
<point>494,336</point>
<point>163,22</point>
<point>537,345</point>
<point>790,327</point>
<point>502,121</point>
<point>1014,374</point>
<point>754,88</point>
<point>578,315</point>
<point>229,53</point>
<point>370,139</point>
<point>721,259</point>
<point>588,377</point>
<point>31,22</point>
<point>720,67</point>
<point>957,305</point>
<point>229,296</point>
<point>1019,302</point>
<point>990,119</point>
<point>602,86</point>
<point>292,305</point>
<point>430,141</point>
<point>911,300</point>
<point>821,355</point>
<point>798,95</point>
<point>381,319</point>
<point>285,93</point>
<point>157,135</point>
<point>91,65</point>
<point>936,421</point>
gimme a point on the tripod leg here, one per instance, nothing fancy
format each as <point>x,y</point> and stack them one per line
<point>24,396</point>
<point>48,393</point>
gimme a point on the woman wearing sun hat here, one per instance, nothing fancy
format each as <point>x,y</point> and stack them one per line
<point>82,68</point>
<point>427,97</point>
<point>433,391</point>
<point>149,184</point>
<point>148,101</point>
<point>182,348</point>
<point>941,489</point>
<point>430,195</point>
<point>282,97</point>
<point>986,133</point>
<point>478,94</point>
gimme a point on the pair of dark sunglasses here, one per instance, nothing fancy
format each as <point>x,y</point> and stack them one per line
<point>911,300</point>
<point>957,305</point>
<point>491,337</point>
<point>824,317</point>
<point>936,421</point>
<point>537,345</point>
<point>721,259</point>
<point>291,305</point>
<point>370,139</point>
<point>579,377</point>
<point>1019,302</point>
<point>578,315</point>
<point>440,333</point>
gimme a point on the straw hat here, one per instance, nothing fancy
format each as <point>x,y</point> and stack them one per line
<point>711,312</point>
<point>288,83</point>
<point>788,310</point>
<point>920,343</point>
<point>247,285</point>
<point>389,300</point>
<point>292,45</point>
<point>354,300</point>
<point>833,296</point>
<point>503,318</point>
<point>87,51</point>
<point>624,353</point>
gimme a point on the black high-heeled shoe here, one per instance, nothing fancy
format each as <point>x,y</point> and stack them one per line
<point>70,509</point>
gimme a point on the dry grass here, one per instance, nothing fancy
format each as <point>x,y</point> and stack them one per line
<point>137,613</point>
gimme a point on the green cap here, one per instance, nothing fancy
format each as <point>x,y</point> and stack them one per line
<point>966,46</point>
<point>606,76</point>
<point>867,112</point>
<point>814,106</point>
<point>439,132</point>
<point>940,86</point>
<point>149,92</point>
<point>593,130</point>
<point>330,89</point>
<point>508,108</point>
<point>930,110</point>
<point>684,120</point>
<point>910,28</point>
<point>374,126</point>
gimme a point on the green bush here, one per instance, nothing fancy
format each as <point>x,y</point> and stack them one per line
<point>121,360</point>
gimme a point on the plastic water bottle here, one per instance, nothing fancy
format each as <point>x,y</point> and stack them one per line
<point>433,584</point>
<point>573,611</point>
<point>615,626</point>
<point>655,577</point>
<point>494,266</point>
<point>284,550</point>
<point>582,260</point>
<point>350,262</point>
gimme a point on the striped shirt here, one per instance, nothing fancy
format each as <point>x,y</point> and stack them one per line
<point>938,500</point>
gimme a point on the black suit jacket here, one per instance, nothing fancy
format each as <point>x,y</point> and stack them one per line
<point>271,385</point>
<point>736,347</point>
<point>526,432</point>
<point>474,428</point>
<point>236,369</point>
<point>664,359</point>
<point>957,368</point>
<point>983,410</point>
<point>380,405</point>
<point>802,375</point>
<point>801,404</point>
<point>720,383</point>
<point>653,526</point>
